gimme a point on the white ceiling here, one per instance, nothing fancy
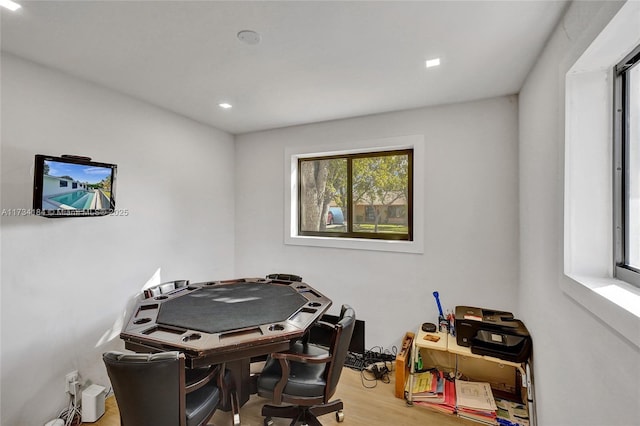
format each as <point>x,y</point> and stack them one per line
<point>316,61</point>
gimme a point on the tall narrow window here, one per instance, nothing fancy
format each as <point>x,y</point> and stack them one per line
<point>364,195</point>
<point>627,168</point>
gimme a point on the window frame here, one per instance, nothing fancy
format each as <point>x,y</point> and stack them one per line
<point>350,233</point>
<point>621,146</point>
<point>341,146</point>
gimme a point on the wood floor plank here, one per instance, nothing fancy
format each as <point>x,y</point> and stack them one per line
<point>373,405</point>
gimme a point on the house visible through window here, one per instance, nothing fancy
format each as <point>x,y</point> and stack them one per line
<point>627,168</point>
<point>363,195</point>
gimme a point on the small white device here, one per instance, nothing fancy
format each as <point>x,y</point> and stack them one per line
<point>92,403</point>
<point>55,422</point>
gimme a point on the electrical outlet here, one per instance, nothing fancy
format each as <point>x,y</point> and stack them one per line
<point>69,379</point>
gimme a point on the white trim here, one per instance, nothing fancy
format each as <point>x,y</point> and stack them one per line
<point>588,203</point>
<point>613,301</point>
<point>291,155</point>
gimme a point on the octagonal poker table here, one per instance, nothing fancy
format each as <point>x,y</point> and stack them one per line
<point>225,322</point>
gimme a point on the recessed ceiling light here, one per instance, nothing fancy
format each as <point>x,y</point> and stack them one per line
<point>224,105</point>
<point>249,37</point>
<point>8,4</point>
<point>433,62</point>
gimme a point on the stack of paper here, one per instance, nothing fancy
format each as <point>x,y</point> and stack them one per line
<point>427,385</point>
<point>475,402</point>
<point>444,401</point>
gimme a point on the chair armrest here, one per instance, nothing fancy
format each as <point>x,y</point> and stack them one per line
<point>318,324</point>
<point>284,359</point>
<point>214,371</point>
<point>323,324</point>
<point>304,358</point>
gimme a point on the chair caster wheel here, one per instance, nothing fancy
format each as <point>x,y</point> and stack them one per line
<point>340,416</point>
<point>268,421</point>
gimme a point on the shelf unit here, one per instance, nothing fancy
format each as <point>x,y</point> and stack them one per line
<point>511,380</point>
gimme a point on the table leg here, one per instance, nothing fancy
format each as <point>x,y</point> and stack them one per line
<point>240,386</point>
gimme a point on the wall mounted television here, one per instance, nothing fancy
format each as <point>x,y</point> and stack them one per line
<point>73,186</point>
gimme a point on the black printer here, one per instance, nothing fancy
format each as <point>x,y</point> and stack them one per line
<point>494,333</point>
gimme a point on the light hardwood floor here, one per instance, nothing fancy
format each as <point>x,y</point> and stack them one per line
<point>363,406</point>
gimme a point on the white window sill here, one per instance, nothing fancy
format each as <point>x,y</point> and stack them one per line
<point>357,244</point>
<point>613,301</point>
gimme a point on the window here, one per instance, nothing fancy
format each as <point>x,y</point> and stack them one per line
<point>627,168</point>
<point>338,238</point>
<point>64,184</point>
<point>362,195</point>
<point>590,243</point>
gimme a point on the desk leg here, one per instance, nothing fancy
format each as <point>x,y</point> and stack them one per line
<point>412,372</point>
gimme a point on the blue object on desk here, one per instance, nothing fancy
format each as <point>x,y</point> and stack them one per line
<point>435,294</point>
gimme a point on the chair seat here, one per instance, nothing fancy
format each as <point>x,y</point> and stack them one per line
<point>305,380</point>
<point>200,403</point>
<point>194,375</point>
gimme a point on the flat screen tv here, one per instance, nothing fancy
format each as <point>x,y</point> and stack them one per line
<point>71,186</point>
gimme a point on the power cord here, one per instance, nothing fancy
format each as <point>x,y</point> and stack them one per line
<point>378,363</point>
<point>71,415</point>
<point>378,353</point>
<point>374,372</point>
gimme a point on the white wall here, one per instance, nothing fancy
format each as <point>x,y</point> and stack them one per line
<point>471,224</point>
<point>585,372</point>
<point>65,281</point>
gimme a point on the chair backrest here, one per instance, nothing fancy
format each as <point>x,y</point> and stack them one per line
<point>149,388</point>
<point>181,283</point>
<point>284,277</point>
<point>167,287</point>
<point>340,347</point>
<point>152,292</point>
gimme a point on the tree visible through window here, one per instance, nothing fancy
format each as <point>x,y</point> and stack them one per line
<point>357,195</point>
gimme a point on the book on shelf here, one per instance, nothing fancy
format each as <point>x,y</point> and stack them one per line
<point>425,383</point>
<point>475,395</point>
<point>429,386</point>
<point>511,413</point>
<point>482,416</point>
<point>448,402</point>
<point>475,402</point>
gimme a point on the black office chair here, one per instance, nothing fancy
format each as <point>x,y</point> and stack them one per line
<point>163,288</point>
<point>307,375</point>
<point>285,277</point>
<point>153,390</point>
